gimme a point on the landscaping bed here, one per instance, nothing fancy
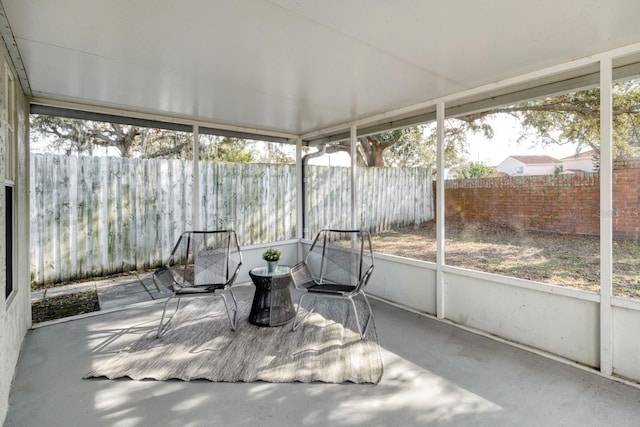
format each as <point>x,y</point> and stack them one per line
<point>61,306</point>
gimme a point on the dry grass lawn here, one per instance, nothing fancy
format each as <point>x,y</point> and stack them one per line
<point>565,260</point>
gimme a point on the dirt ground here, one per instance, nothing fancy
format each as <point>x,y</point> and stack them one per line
<point>64,306</point>
<point>565,260</point>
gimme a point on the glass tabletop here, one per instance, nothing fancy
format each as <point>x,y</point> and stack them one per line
<point>281,270</point>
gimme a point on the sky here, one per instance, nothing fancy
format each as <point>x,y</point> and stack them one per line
<point>506,132</point>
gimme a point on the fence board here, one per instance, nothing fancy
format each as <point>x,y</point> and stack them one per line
<point>81,240</point>
<point>101,201</point>
<point>73,217</point>
<point>49,221</point>
<point>63,216</point>
<point>96,216</point>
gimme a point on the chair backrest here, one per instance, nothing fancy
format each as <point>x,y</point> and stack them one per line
<point>341,257</point>
<point>301,276</point>
<point>206,258</point>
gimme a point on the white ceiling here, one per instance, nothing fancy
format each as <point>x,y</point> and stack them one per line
<point>297,66</point>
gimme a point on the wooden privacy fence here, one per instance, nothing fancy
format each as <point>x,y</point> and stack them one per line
<point>387,198</point>
<point>96,216</point>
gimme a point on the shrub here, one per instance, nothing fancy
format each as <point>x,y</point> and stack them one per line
<point>271,254</point>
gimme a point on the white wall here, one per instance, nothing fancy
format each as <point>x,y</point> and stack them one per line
<point>626,345</point>
<point>510,167</point>
<point>252,257</point>
<point>541,316</point>
<point>409,283</point>
<point>557,320</point>
<point>15,312</point>
<point>579,163</point>
<point>540,169</point>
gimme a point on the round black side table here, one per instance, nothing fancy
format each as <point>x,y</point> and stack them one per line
<point>272,304</point>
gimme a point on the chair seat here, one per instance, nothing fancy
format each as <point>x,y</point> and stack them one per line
<point>329,288</point>
<point>307,285</point>
<point>185,290</point>
<point>164,278</point>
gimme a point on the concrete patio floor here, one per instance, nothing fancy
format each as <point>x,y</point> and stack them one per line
<point>435,374</point>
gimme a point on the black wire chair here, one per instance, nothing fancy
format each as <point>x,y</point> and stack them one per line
<point>202,263</point>
<point>338,265</point>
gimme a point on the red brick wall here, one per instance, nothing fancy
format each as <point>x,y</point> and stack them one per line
<point>626,199</point>
<point>566,204</point>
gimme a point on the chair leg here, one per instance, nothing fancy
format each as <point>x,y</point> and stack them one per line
<point>366,326</point>
<point>160,327</point>
<point>297,323</point>
<point>232,319</point>
<point>362,332</point>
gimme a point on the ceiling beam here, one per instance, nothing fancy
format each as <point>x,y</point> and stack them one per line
<point>14,53</point>
<point>112,115</point>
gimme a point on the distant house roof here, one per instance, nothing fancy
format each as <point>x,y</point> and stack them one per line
<point>532,160</point>
<point>585,155</point>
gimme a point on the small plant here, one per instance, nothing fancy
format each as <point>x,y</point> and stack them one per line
<point>271,254</point>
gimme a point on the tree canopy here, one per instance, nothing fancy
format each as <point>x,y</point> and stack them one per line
<point>475,170</point>
<point>73,136</point>
<point>574,118</point>
<point>413,146</point>
<point>570,118</point>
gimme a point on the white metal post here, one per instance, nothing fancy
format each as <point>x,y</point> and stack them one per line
<point>606,218</point>
<point>354,181</point>
<point>440,161</point>
<point>299,195</point>
<point>196,178</point>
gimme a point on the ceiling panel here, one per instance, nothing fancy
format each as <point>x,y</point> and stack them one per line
<point>297,66</point>
<point>478,42</point>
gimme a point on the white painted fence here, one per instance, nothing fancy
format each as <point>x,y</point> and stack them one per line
<point>95,216</point>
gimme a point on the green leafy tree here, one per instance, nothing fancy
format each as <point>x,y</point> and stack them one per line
<point>82,136</point>
<point>225,149</point>
<point>414,146</point>
<point>274,153</point>
<point>574,118</point>
<point>411,149</point>
<point>162,143</point>
<point>475,170</point>
<point>73,136</point>
<point>369,150</point>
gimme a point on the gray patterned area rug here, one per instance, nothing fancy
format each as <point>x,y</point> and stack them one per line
<point>199,344</point>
